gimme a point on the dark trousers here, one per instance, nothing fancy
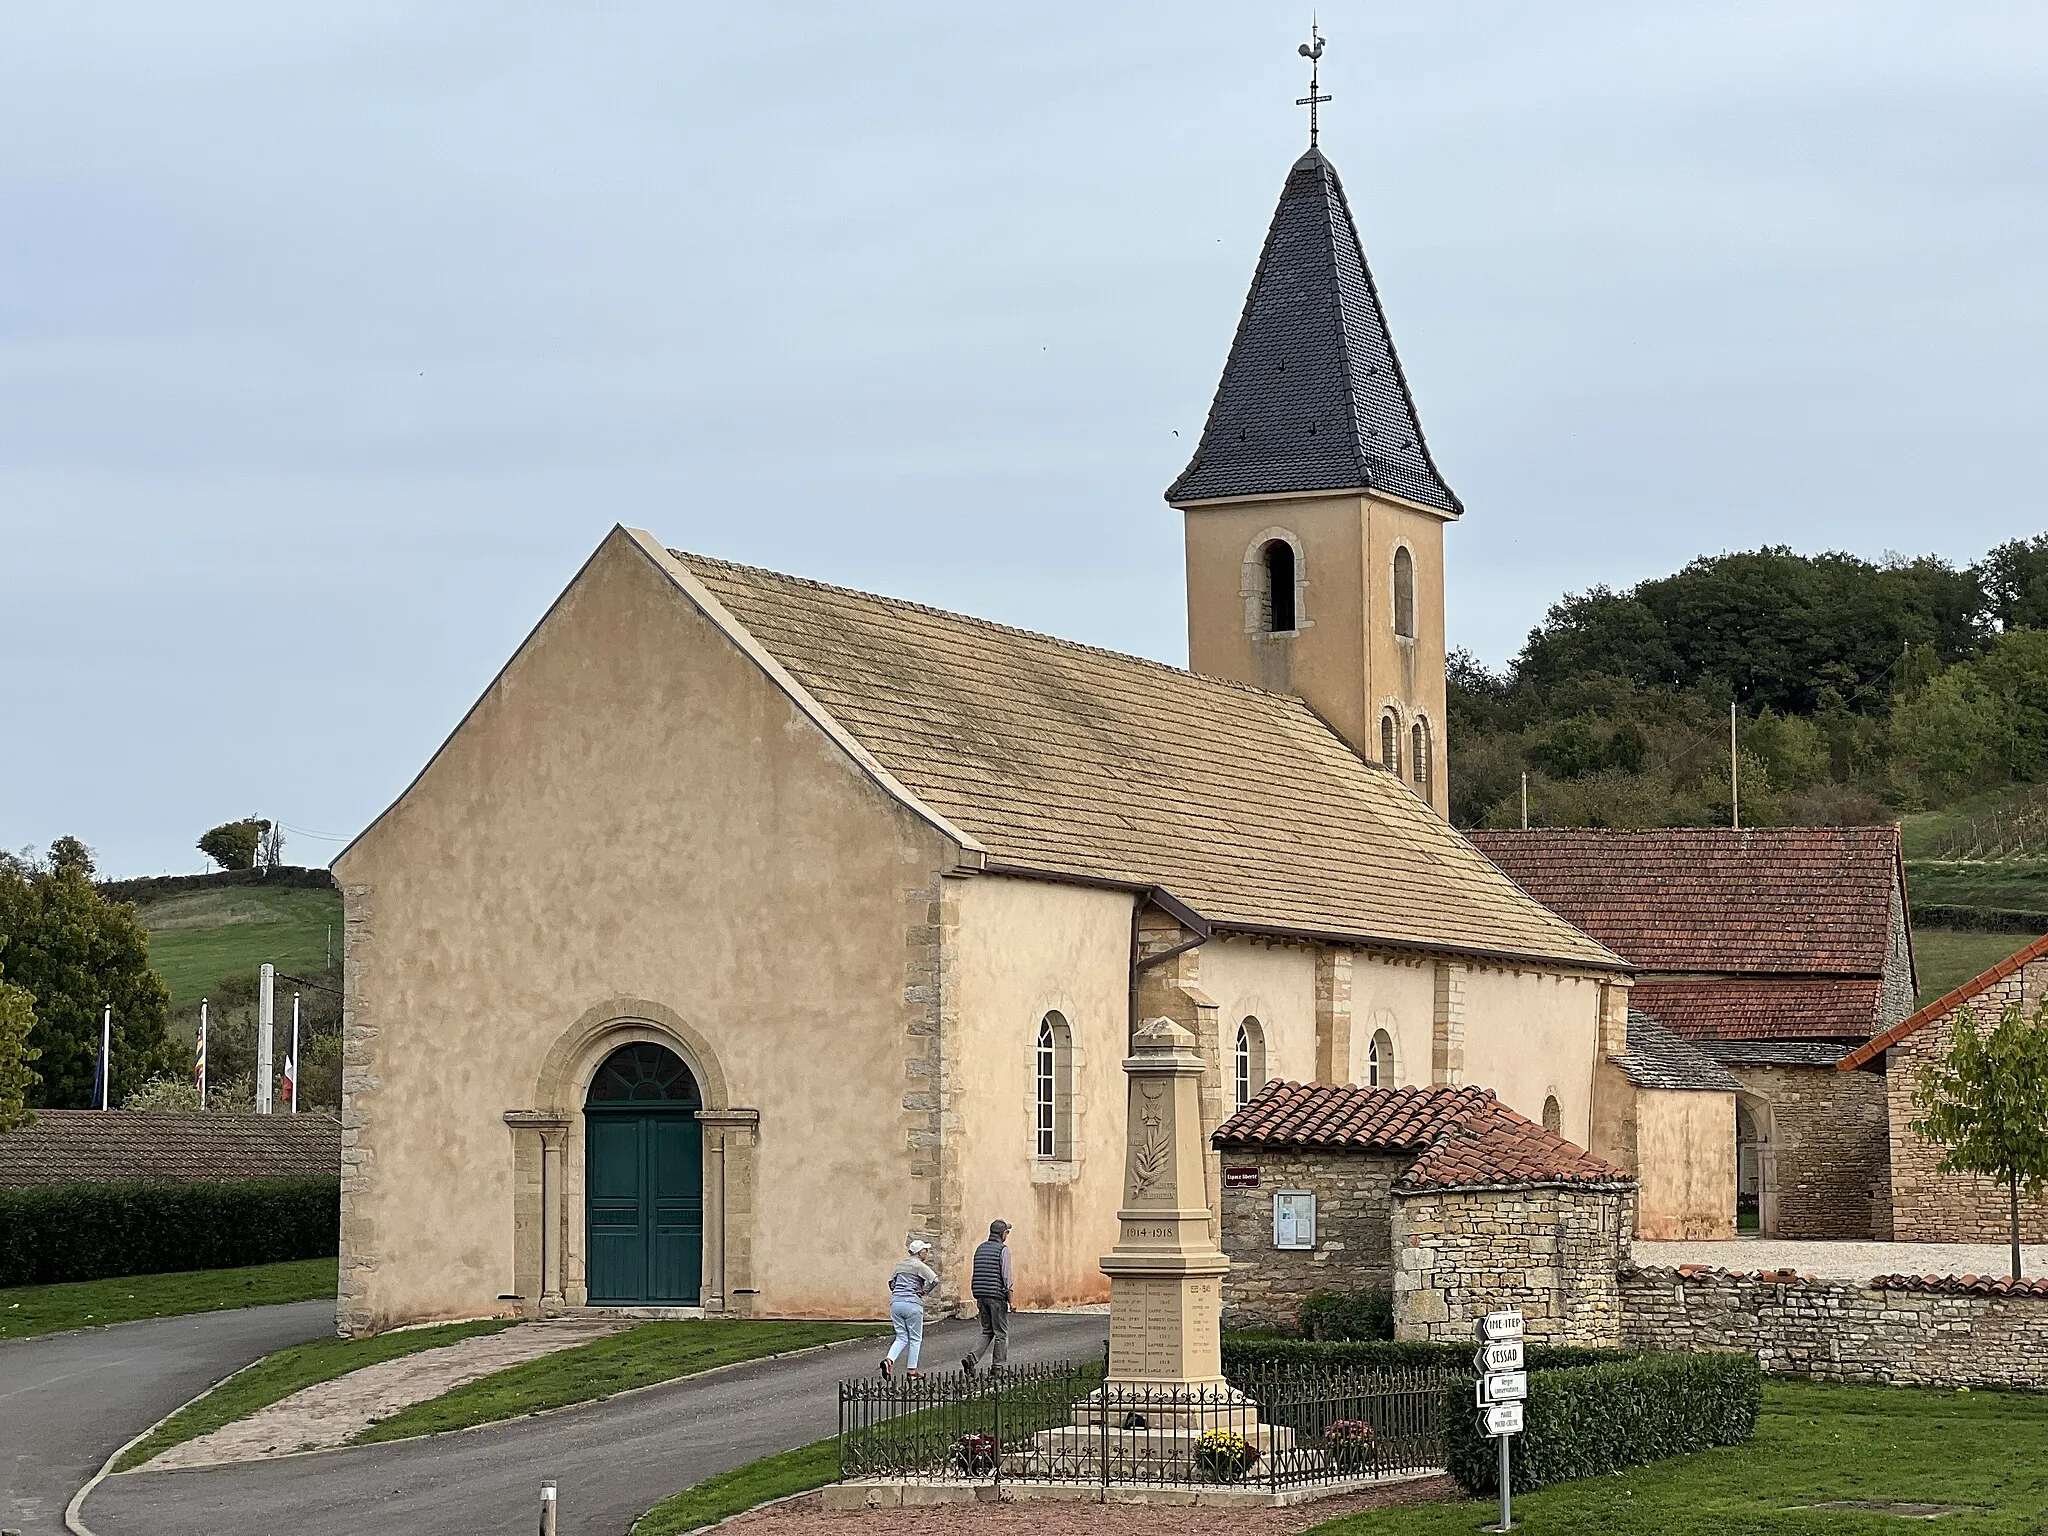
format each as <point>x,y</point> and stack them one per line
<point>995,1329</point>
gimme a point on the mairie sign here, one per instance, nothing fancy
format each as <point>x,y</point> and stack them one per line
<point>1503,1419</point>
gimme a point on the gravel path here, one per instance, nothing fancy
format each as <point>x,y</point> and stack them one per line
<point>803,1517</point>
<point>328,1413</point>
<point>1847,1261</point>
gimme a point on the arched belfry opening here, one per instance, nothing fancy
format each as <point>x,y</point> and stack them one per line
<point>1277,559</point>
<point>643,1180</point>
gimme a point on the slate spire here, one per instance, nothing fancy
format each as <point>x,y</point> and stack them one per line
<point>1312,397</point>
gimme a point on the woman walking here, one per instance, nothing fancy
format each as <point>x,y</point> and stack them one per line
<point>909,1283</point>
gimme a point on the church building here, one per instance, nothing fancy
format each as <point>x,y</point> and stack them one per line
<point>747,925</point>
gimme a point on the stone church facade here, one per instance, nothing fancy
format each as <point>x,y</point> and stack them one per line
<point>748,925</point>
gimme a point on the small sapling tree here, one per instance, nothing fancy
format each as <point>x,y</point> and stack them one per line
<point>1986,1101</point>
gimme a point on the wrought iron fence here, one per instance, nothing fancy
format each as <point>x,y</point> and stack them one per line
<point>1275,1426</point>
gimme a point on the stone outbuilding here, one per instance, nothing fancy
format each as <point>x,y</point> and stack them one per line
<point>1929,1206</point>
<point>1444,1196</point>
<point>1777,951</point>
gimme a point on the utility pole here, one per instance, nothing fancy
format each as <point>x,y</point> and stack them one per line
<point>1734,773</point>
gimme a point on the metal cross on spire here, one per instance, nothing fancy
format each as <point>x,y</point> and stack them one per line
<point>1313,52</point>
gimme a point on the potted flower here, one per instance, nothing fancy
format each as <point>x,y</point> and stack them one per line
<point>975,1454</point>
<point>1225,1455</point>
<point>1350,1443</point>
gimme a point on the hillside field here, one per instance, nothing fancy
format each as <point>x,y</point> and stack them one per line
<point>197,939</point>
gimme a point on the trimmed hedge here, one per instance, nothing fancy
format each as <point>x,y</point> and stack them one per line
<point>1251,1351</point>
<point>51,1233</point>
<point>1348,1315</point>
<point>1594,1419</point>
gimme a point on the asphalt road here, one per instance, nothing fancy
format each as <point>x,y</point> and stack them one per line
<point>68,1401</point>
<point>612,1460</point>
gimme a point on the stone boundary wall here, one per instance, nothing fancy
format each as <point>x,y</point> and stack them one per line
<point>1909,1331</point>
<point>1551,1250</point>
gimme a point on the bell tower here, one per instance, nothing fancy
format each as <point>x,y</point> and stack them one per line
<point>1314,515</point>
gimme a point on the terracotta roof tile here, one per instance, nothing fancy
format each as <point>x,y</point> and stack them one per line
<point>85,1145</point>
<point>1466,1137</point>
<point>1769,900</point>
<point>1845,1009</point>
<point>1067,760</point>
<point>1944,1005</point>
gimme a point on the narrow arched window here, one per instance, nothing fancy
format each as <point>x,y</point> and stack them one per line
<point>1248,1062</point>
<point>1278,560</point>
<point>1047,1092</point>
<point>1052,1089</point>
<point>1404,592</point>
<point>1379,1060</point>
<point>1390,744</point>
<point>1553,1116</point>
<point>1418,756</point>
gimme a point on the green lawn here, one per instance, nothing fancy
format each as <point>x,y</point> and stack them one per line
<point>31,1309</point>
<point>199,938</point>
<point>1984,1451</point>
<point>734,1492</point>
<point>639,1357</point>
<point>277,1376</point>
<point>2008,885</point>
<point>1945,959</point>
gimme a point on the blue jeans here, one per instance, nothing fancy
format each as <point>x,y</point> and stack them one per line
<point>908,1316</point>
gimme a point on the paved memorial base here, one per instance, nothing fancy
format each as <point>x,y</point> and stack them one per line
<point>1053,1509</point>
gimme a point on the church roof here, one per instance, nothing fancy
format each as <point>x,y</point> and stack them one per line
<point>1064,761</point>
<point>1313,397</point>
<point>1467,1137</point>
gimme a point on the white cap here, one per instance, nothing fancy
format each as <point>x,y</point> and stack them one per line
<point>919,1245</point>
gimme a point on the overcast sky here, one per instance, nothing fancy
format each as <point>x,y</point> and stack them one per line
<point>333,337</point>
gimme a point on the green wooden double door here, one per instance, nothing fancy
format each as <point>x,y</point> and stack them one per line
<point>643,1180</point>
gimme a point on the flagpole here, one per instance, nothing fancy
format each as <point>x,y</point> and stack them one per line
<point>202,1053</point>
<point>107,1056</point>
<point>293,1075</point>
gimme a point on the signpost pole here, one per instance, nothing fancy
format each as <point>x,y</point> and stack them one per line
<point>1507,1508</point>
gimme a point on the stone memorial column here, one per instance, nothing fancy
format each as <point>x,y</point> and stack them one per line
<point>1166,1272</point>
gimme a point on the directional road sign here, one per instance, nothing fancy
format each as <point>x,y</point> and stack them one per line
<point>1503,1419</point>
<point>1496,1326</point>
<point>1505,1387</point>
<point>1505,1356</point>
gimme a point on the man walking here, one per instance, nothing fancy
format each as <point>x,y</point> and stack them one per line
<point>992,1298</point>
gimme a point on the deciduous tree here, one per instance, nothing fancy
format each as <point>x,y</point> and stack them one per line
<point>18,1079</point>
<point>1986,1101</point>
<point>234,844</point>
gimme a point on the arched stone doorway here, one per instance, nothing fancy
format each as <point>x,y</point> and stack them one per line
<point>643,1180</point>
<point>1755,1168</point>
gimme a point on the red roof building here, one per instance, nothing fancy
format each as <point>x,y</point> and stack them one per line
<point>1779,952</point>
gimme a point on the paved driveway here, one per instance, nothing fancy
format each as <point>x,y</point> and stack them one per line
<point>612,1460</point>
<point>68,1401</point>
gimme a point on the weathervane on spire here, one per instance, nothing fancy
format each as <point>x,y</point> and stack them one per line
<point>1313,52</point>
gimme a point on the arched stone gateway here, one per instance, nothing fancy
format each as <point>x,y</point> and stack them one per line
<point>633,1177</point>
<point>1755,1167</point>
